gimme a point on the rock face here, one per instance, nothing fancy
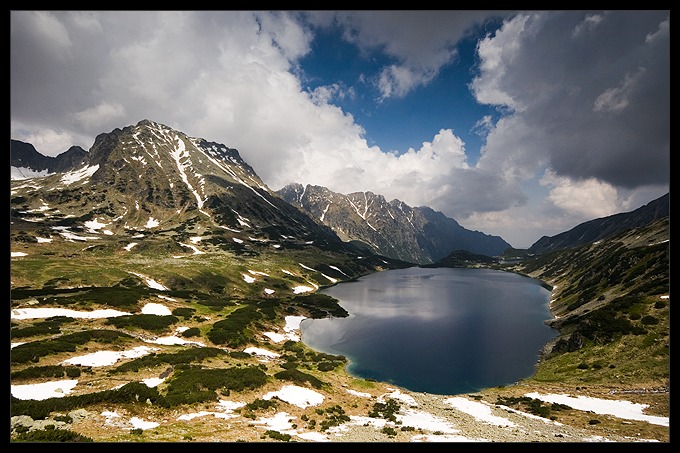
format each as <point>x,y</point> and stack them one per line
<point>419,235</point>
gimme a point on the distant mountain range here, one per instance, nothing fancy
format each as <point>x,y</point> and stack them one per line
<point>419,235</point>
<point>587,233</point>
<point>150,177</point>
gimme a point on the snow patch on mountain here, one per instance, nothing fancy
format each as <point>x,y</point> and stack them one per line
<point>81,175</point>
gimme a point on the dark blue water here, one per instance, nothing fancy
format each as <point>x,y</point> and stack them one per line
<point>443,331</point>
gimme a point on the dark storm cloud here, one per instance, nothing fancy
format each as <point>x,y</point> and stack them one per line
<point>596,89</point>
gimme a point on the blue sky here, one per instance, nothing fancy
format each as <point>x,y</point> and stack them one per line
<point>520,124</point>
<point>398,123</point>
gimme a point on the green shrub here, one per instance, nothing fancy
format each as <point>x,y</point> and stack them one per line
<point>154,323</point>
<point>50,371</point>
<point>185,356</point>
<point>194,385</point>
<point>33,351</point>
<point>192,332</point>
<point>389,431</point>
<point>328,366</point>
<point>261,404</point>
<point>277,435</point>
<point>533,405</point>
<point>230,331</point>
<point>298,376</point>
<point>183,312</point>
<point>50,326</point>
<point>132,392</point>
<point>649,320</point>
<point>386,410</point>
<point>335,416</point>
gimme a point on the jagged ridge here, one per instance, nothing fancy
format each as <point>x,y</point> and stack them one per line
<point>420,235</point>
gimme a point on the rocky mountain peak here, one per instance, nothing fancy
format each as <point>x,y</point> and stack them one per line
<point>419,235</point>
<point>149,176</point>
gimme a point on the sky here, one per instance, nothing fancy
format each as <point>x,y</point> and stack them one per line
<point>520,124</point>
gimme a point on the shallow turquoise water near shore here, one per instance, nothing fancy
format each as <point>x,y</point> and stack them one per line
<point>443,331</point>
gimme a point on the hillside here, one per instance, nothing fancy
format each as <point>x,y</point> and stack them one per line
<point>603,227</point>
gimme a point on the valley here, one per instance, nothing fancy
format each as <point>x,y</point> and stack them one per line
<point>153,218</point>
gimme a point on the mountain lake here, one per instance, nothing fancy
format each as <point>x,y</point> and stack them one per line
<point>444,331</point>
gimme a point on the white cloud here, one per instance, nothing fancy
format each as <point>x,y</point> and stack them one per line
<point>327,94</point>
<point>496,56</point>
<point>662,33</point>
<point>285,34</point>
<point>45,138</point>
<point>616,99</point>
<point>398,81</point>
<point>589,23</point>
<point>588,199</point>
<point>100,114</point>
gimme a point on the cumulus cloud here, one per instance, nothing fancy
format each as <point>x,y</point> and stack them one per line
<point>583,101</point>
<point>95,117</point>
<point>587,24</point>
<point>587,199</point>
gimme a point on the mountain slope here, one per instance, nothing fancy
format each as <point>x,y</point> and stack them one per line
<point>601,228</point>
<point>148,189</point>
<point>420,235</point>
<point>149,178</point>
<point>610,301</point>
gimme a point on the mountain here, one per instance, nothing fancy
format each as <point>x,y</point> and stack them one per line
<point>150,177</point>
<point>26,161</point>
<point>601,228</point>
<point>164,193</point>
<point>420,235</point>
